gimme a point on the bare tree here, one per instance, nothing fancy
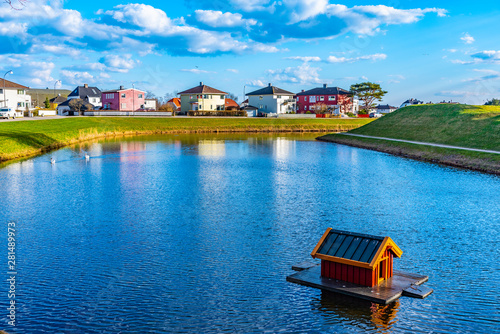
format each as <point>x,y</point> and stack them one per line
<point>16,4</point>
<point>79,105</point>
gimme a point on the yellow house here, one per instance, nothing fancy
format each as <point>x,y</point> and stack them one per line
<point>56,101</point>
<point>202,97</point>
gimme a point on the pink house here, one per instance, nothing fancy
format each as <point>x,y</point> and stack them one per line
<point>123,99</point>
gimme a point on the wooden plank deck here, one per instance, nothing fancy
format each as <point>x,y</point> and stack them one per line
<point>385,293</point>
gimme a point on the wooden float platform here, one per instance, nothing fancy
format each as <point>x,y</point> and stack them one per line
<point>402,283</point>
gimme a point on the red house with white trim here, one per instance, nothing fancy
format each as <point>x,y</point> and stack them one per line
<point>123,99</point>
<point>334,99</point>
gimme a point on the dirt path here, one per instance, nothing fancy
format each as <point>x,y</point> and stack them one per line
<point>423,143</point>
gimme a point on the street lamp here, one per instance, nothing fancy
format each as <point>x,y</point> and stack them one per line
<point>133,97</point>
<point>4,100</point>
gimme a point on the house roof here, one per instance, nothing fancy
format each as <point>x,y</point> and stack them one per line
<point>84,91</point>
<point>231,103</point>
<point>121,90</point>
<point>360,250</point>
<point>385,106</point>
<point>10,84</point>
<point>270,90</point>
<point>249,107</point>
<point>176,101</point>
<point>202,89</point>
<point>58,99</point>
<point>325,91</point>
<point>413,101</point>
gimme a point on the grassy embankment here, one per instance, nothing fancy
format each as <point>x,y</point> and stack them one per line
<point>456,125</point>
<point>27,138</point>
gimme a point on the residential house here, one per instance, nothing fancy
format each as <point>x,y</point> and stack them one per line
<point>123,99</point>
<point>232,105</point>
<point>90,95</point>
<point>67,109</point>
<point>54,102</point>
<point>385,109</point>
<point>202,97</point>
<point>150,104</point>
<point>14,96</point>
<point>411,102</point>
<point>272,100</point>
<point>175,103</point>
<point>331,99</point>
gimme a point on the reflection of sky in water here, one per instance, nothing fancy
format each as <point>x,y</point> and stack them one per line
<point>202,233</point>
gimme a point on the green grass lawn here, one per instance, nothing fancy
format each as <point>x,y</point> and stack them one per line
<point>25,138</point>
<point>457,125</point>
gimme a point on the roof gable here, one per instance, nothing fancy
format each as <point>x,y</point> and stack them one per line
<point>360,250</point>
<point>325,91</point>
<point>270,90</point>
<point>83,92</point>
<point>202,89</point>
<point>10,84</point>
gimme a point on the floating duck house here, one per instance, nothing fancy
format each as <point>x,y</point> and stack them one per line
<point>356,258</point>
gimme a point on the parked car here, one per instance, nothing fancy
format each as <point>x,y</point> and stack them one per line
<point>7,113</point>
<point>375,115</point>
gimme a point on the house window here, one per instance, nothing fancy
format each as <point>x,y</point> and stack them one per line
<point>191,97</point>
<point>222,97</point>
<point>1,91</point>
<point>20,92</point>
<point>321,98</point>
<point>140,96</point>
<point>124,105</point>
<point>331,98</point>
<point>124,95</point>
<point>279,96</point>
<point>205,96</point>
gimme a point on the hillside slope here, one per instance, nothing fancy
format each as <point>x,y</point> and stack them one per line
<point>457,125</point>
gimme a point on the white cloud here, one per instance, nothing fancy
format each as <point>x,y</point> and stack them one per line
<point>196,71</point>
<point>487,56</point>
<point>232,70</point>
<point>256,83</point>
<point>41,72</point>
<point>302,10</point>
<point>119,63</point>
<point>254,5</point>
<point>467,39</point>
<point>374,57</point>
<point>305,59</point>
<point>76,77</point>
<point>144,16</point>
<point>56,49</point>
<point>13,29</point>
<point>304,74</point>
<point>366,20</point>
<point>218,19</point>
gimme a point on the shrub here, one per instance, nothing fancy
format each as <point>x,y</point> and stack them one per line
<point>218,113</point>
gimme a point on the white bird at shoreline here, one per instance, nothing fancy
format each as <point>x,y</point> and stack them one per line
<point>52,161</point>
<point>87,157</point>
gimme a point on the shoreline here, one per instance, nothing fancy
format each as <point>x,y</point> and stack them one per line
<point>476,161</point>
<point>22,141</point>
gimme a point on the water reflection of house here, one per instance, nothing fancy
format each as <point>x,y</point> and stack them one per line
<point>212,148</point>
<point>129,150</point>
<point>366,314</point>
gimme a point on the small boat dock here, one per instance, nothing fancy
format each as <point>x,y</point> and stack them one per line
<point>400,284</point>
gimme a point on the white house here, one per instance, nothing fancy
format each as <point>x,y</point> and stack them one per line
<point>91,95</point>
<point>385,109</point>
<point>150,104</point>
<point>14,96</point>
<point>411,102</point>
<point>272,100</point>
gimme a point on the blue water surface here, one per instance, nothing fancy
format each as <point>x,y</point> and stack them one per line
<point>196,234</point>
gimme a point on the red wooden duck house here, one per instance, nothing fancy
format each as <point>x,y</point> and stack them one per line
<point>359,265</point>
<point>356,258</point>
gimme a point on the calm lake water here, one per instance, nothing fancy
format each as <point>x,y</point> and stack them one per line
<point>196,234</point>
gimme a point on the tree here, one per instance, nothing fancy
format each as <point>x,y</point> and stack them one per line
<point>345,103</point>
<point>16,4</point>
<point>47,103</point>
<point>79,105</point>
<point>232,97</point>
<point>368,93</point>
<point>493,102</point>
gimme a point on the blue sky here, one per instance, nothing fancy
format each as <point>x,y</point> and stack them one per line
<point>418,49</point>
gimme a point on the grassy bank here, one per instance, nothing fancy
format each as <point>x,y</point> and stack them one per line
<point>456,125</point>
<point>22,139</point>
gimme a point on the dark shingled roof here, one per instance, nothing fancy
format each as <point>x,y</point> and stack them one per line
<point>10,84</point>
<point>58,100</point>
<point>325,91</point>
<point>202,89</point>
<point>82,92</point>
<point>351,246</point>
<point>270,90</point>
<point>386,106</point>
